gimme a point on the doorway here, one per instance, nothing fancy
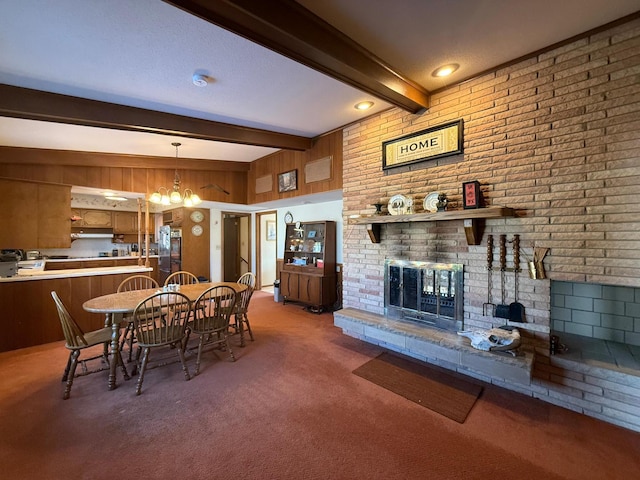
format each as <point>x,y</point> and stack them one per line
<point>236,245</point>
<point>266,249</point>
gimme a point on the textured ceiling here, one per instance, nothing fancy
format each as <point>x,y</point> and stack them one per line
<point>144,53</point>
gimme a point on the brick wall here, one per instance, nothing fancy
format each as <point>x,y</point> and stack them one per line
<point>557,137</point>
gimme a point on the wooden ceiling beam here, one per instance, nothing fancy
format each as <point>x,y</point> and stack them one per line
<point>42,156</point>
<point>18,102</point>
<point>289,29</point>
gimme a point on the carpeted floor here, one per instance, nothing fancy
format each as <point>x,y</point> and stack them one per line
<point>288,408</point>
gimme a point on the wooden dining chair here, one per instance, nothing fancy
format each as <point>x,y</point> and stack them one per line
<point>134,282</point>
<point>76,340</point>
<point>161,320</point>
<point>240,318</point>
<point>211,314</point>
<point>181,278</point>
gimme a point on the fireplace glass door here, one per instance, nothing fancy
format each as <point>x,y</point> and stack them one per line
<point>425,292</point>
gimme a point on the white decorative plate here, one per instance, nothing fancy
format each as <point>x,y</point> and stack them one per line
<point>430,203</point>
<point>398,205</point>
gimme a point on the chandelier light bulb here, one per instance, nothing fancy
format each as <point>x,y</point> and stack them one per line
<point>164,196</point>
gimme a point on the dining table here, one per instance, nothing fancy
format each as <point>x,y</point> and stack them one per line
<point>115,305</point>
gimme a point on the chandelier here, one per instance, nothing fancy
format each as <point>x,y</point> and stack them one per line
<point>163,196</point>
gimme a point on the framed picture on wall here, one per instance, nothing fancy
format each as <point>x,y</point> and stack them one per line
<point>271,230</point>
<point>288,181</point>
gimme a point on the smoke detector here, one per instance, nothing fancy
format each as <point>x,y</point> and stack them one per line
<point>200,80</point>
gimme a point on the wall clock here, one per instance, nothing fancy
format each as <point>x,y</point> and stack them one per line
<point>288,217</point>
<point>197,216</point>
<point>197,230</point>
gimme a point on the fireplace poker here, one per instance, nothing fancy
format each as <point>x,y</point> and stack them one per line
<point>488,309</point>
<point>502,310</point>
<point>516,309</point>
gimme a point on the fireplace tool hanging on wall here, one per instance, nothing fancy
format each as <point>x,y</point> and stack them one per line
<point>502,310</point>
<point>516,309</point>
<point>488,309</point>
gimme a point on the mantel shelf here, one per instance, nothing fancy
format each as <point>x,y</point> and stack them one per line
<point>472,220</point>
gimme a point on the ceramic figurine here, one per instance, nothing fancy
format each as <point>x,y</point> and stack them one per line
<point>442,202</point>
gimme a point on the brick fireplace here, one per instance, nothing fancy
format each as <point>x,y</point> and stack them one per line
<point>556,138</point>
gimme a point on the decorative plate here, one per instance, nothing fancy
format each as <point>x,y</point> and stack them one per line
<point>398,205</point>
<point>430,203</point>
<point>197,230</point>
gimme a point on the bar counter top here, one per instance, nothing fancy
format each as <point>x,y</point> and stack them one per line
<point>80,259</point>
<point>30,275</point>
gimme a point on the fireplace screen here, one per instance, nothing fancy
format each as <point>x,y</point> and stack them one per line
<point>425,292</point>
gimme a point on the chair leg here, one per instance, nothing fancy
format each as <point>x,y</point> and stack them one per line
<point>185,342</point>
<point>226,340</point>
<point>145,359</point>
<point>200,345</point>
<point>124,369</point>
<point>135,365</point>
<point>239,328</point>
<point>65,375</point>
<point>187,377</point>
<point>128,337</point>
<point>72,371</point>
<point>246,320</point>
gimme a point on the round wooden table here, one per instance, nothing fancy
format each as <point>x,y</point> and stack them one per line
<point>115,305</point>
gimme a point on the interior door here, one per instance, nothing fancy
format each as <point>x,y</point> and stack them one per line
<point>231,260</point>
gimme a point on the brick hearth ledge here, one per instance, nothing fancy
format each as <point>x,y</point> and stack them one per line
<point>436,346</point>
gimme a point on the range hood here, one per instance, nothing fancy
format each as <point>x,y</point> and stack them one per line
<point>77,233</point>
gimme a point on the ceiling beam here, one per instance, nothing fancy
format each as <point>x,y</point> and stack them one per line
<point>18,102</point>
<point>289,29</point>
<point>42,156</point>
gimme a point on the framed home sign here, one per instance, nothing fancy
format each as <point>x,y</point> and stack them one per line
<point>288,181</point>
<point>435,142</point>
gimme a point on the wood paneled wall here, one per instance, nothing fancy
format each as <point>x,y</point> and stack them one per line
<point>284,161</point>
<point>142,174</point>
<point>125,173</point>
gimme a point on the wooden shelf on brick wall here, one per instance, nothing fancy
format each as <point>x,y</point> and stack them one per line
<point>473,220</point>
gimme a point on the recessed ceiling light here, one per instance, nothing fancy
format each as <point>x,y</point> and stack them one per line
<point>363,105</point>
<point>200,80</point>
<point>445,70</point>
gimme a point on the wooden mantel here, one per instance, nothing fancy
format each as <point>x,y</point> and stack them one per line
<point>473,220</point>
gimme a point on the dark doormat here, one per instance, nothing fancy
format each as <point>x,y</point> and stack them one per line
<point>448,393</point>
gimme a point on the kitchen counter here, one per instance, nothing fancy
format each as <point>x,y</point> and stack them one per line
<point>29,316</point>
<point>124,257</point>
<point>27,275</point>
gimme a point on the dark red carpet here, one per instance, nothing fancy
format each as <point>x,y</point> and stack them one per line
<point>288,408</point>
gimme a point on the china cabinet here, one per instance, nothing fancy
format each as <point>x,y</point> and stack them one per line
<point>309,271</point>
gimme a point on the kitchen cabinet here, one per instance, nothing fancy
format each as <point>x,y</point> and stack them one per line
<point>35,215</point>
<point>125,222</point>
<point>29,315</point>
<point>309,271</point>
<point>92,218</point>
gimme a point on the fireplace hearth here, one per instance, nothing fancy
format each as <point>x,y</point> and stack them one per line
<point>424,292</point>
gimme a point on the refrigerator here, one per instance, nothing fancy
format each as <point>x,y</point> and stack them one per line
<point>169,252</point>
